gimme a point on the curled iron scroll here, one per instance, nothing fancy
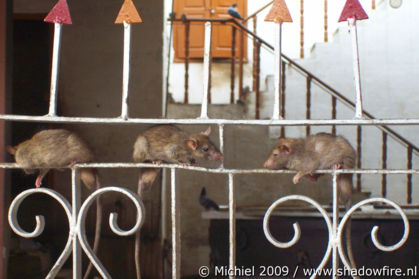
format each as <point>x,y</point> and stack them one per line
<point>113,218</point>
<point>297,231</point>
<point>374,230</point>
<point>40,223</point>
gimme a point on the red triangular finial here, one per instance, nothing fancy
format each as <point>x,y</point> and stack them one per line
<point>352,9</point>
<point>128,13</point>
<point>59,14</point>
<point>279,12</point>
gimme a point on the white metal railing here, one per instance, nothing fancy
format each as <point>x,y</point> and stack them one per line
<point>76,211</point>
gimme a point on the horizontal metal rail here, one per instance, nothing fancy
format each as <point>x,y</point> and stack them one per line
<point>197,121</point>
<point>221,170</point>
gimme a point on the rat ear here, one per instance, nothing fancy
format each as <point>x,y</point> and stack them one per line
<point>207,132</point>
<point>285,149</point>
<point>11,150</point>
<point>192,144</point>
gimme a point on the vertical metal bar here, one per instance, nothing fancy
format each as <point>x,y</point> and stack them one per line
<point>125,74</point>
<point>254,52</point>
<point>232,223</point>
<point>384,165</point>
<point>241,64</point>
<point>76,202</point>
<point>359,157</point>
<point>357,74</point>
<point>207,49</point>
<point>233,63</point>
<point>221,134</point>
<point>308,102</point>
<point>283,81</point>
<point>257,103</point>
<point>301,28</point>
<point>277,74</point>
<point>409,176</point>
<point>333,114</point>
<point>55,69</point>
<point>209,70</point>
<point>335,221</point>
<point>175,211</point>
<point>186,94</point>
<point>325,38</point>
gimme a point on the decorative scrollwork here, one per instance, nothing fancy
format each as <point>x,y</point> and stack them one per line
<point>374,230</point>
<point>296,226</point>
<point>40,223</point>
<point>81,224</point>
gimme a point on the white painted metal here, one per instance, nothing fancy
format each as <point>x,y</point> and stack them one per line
<point>40,224</point>
<point>126,66</point>
<point>357,74</point>
<point>226,171</point>
<point>175,211</point>
<point>55,69</point>
<point>374,230</point>
<point>335,221</point>
<point>75,201</point>
<point>336,229</point>
<point>297,231</point>
<point>207,50</point>
<point>232,223</point>
<point>283,122</point>
<point>277,73</point>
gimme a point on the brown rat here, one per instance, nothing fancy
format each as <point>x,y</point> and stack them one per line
<point>58,149</point>
<point>316,152</point>
<point>169,144</point>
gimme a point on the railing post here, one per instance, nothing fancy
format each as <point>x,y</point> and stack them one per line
<point>301,28</point>
<point>241,64</point>
<point>75,206</point>
<point>325,38</point>
<point>175,211</point>
<point>409,176</point>
<point>373,4</point>
<point>384,165</point>
<point>233,63</point>
<point>283,79</point>
<point>207,69</point>
<point>308,102</point>
<point>278,69</point>
<point>359,157</point>
<point>186,93</point>
<point>232,223</point>
<point>333,114</point>
<point>254,53</point>
<point>257,116</point>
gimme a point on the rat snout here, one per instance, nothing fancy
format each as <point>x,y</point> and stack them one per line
<point>216,156</point>
<point>269,164</point>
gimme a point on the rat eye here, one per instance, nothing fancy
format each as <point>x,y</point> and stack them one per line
<point>275,154</point>
<point>205,149</point>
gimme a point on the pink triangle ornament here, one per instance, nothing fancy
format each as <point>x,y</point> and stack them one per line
<point>59,14</point>
<point>352,9</point>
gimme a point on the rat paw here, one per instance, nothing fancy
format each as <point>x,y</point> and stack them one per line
<point>157,162</point>
<point>296,179</point>
<point>337,166</point>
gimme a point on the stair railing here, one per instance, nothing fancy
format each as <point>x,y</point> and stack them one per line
<point>310,79</point>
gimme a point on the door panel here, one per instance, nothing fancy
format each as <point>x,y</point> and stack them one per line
<point>222,34</point>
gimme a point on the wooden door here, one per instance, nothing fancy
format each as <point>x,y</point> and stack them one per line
<point>221,35</point>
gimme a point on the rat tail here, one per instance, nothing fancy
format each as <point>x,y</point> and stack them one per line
<point>98,225</point>
<point>346,188</point>
<point>146,179</point>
